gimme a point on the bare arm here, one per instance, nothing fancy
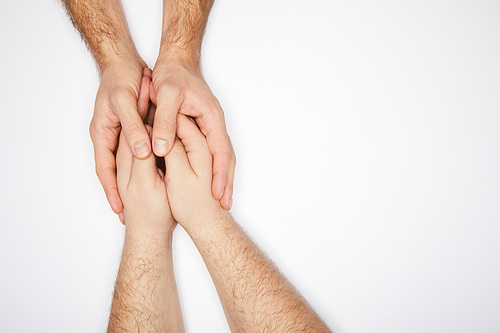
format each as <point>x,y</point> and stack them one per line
<point>145,297</point>
<point>103,27</point>
<point>184,23</point>
<point>255,296</point>
<point>179,87</point>
<point>123,94</point>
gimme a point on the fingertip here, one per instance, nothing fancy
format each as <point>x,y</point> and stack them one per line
<point>226,203</point>
<point>161,147</point>
<point>148,72</point>
<point>122,218</point>
<point>142,149</point>
<point>227,199</point>
<point>115,203</point>
<point>217,189</point>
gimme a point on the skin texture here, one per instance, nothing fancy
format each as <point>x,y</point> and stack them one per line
<point>124,92</point>
<point>145,297</point>
<point>255,296</point>
<point>179,87</point>
<point>119,100</point>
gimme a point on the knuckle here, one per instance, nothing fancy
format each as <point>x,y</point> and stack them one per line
<point>119,96</point>
<point>228,156</point>
<point>132,130</point>
<point>169,89</point>
<point>223,156</point>
<point>103,173</point>
<point>164,125</point>
<point>216,111</point>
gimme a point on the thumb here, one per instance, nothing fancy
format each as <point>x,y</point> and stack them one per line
<point>133,127</point>
<point>164,126</point>
<point>145,170</point>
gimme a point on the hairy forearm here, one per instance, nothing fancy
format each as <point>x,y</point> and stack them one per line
<point>254,294</point>
<point>184,23</point>
<point>104,29</point>
<point>145,297</point>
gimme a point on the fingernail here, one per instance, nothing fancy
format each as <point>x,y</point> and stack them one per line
<point>141,149</point>
<point>230,202</point>
<point>161,147</point>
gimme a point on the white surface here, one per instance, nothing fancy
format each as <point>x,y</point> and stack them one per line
<point>367,138</point>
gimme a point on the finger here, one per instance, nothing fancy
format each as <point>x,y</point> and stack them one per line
<point>121,216</point>
<point>148,72</point>
<point>176,162</point>
<point>218,142</point>
<point>152,93</point>
<point>227,198</point>
<point>105,169</point>
<point>195,145</point>
<point>144,170</point>
<point>137,137</point>
<point>150,115</point>
<point>124,158</point>
<point>143,101</point>
<point>168,103</point>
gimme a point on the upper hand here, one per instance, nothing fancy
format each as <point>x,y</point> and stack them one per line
<point>121,101</point>
<point>179,89</point>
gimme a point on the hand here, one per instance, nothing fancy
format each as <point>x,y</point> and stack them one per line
<point>121,101</point>
<point>179,89</point>
<point>142,188</point>
<point>189,176</point>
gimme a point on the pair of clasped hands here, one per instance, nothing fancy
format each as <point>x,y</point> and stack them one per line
<point>199,157</point>
<point>155,201</point>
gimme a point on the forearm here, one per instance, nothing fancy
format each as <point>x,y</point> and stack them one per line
<point>145,296</point>
<point>254,294</point>
<point>184,23</point>
<point>104,29</point>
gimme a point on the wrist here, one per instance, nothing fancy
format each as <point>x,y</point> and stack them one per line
<point>202,229</point>
<point>161,238</point>
<point>143,229</point>
<point>127,56</point>
<point>179,56</point>
<point>173,69</point>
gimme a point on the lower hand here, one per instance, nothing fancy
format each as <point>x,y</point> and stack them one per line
<point>189,177</point>
<point>142,188</point>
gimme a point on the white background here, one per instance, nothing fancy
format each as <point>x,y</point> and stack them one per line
<point>367,138</point>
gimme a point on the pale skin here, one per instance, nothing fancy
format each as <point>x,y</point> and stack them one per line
<point>127,83</point>
<point>255,296</point>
